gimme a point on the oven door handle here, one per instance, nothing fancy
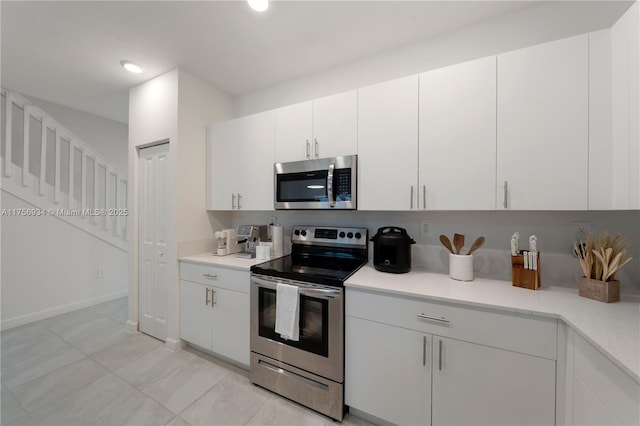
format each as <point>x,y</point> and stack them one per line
<point>326,293</point>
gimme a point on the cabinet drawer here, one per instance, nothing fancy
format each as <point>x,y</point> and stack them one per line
<point>215,276</point>
<point>519,333</point>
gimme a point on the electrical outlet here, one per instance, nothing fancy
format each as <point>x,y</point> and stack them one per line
<point>424,228</point>
<point>580,230</point>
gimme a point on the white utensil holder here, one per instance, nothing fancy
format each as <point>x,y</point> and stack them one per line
<point>461,267</point>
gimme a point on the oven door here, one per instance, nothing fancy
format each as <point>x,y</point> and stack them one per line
<point>320,348</point>
<point>326,183</point>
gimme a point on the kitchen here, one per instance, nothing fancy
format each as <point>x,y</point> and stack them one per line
<point>551,227</point>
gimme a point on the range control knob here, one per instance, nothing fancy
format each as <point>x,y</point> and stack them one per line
<point>297,232</point>
<point>304,233</point>
<point>358,235</point>
<point>350,235</point>
<point>342,234</point>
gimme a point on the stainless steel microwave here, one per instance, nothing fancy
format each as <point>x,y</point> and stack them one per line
<point>324,183</point>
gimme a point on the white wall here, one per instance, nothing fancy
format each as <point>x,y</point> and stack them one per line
<point>50,267</point>
<point>199,105</point>
<point>509,32</point>
<point>108,138</point>
<point>153,118</point>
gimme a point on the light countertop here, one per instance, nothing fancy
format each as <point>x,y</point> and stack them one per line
<point>230,261</point>
<point>614,328</point>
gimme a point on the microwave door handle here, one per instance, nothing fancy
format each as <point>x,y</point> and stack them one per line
<point>332,201</point>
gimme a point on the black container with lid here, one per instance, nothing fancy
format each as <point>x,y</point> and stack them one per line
<point>392,250</point>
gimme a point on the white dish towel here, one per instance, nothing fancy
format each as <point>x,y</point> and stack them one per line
<point>287,312</point>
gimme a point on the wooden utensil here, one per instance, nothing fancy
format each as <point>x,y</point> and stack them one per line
<point>458,242</point>
<point>476,245</point>
<point>445,242</point>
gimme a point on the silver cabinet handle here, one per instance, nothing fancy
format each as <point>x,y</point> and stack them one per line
<point>206,300</point>
<point>239,196</point>
<point>308,149</point>
<point>439,319</point>
<point>213,297</point>
<point>316,147</point>
<point>424,350</point>
<point>210,276</point>
<point>332,201</point>
<point>411,204</point>
<point>233,201</point>
<point>424,196</point>
<point>440,355</point>
<point>506,185</point>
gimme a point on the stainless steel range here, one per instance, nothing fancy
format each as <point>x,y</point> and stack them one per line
<point>309,370</point>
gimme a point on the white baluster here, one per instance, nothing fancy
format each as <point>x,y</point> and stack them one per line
<point>96,206</point>
<point>25,145</point>
<point>107,197</point>
<point>56,189</point>
<point>43,157</point>
<point>83,181</point>
<point>72,158</point>
<point>7,134</point>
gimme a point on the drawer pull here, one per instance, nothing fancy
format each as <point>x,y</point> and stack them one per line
<point>210,276</point>
<point>441,319</point>
<point>439,355</point>
<point>206,300</point>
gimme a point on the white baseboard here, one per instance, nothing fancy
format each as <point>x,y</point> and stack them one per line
<point>132,327</point>
<point>57,310</point>
<point>174,345</point>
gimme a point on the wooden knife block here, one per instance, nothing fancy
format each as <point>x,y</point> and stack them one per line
<point>525,278</point>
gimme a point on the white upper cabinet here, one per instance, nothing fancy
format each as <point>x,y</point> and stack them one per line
<point>293,132</point>
<point>388,145</point>
<point>458,137</point>
<point>542,143</point>
<point>325,127</point>
<point>335,125</point>
<point>222,180</point>
<point>255,148</point>
<point>240,157</point>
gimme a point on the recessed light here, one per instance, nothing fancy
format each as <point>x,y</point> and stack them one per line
<point>259,5</point>
<point>131,67</point>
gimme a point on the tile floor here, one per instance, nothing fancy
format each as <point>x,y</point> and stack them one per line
<point>82,368</point>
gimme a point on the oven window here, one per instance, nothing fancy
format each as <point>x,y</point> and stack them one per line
<point>314,322</point>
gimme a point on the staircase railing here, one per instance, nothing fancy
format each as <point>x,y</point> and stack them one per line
<point>47,166</point>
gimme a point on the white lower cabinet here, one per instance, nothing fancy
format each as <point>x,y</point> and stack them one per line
<point>403,366</point>
<point>388,371</point>
<point>480,385</point>
<point>598,392</point>
<point>215,315</point>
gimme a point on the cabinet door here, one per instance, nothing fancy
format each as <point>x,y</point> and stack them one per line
<point>222,170</point>
<point>335,125</point>
<point>387,371</point>
<point>195,314</point>
<point>255,139</point>
<point>388,145</point>
<point>543,126</point>
<point>231,324</point>
<point>293,132</point>
<point>458,137</point>
<point>475,384</point>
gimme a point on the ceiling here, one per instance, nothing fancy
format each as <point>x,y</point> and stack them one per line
<point>70,52</point>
